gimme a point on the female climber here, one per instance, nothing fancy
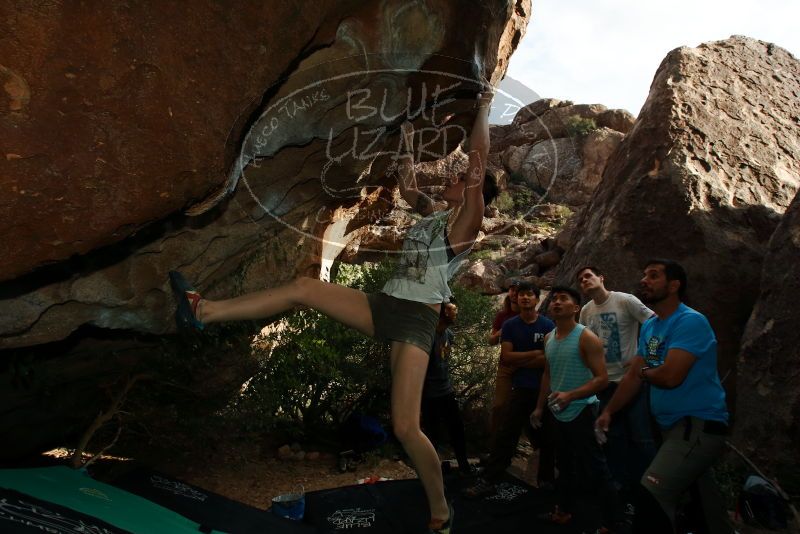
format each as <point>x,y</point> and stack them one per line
<point>406,310</point>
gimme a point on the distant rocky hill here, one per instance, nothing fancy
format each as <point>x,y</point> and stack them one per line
<point>548,163</point>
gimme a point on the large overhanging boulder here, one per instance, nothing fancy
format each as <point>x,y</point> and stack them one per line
<point>768,406</point>
<point>111,132</point>
<point>703,177</point>
<point>108,139</point>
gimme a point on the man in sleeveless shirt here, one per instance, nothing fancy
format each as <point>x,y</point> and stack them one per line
<point>574,373</point>
<point>615,318</point>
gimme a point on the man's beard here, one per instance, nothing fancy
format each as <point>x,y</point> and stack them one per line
<point>652,298</point>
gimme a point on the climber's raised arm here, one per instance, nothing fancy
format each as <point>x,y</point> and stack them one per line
<point>468,223</point>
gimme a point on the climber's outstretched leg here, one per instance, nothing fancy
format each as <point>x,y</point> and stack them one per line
<point>409,365</point>
<point>346,305</point>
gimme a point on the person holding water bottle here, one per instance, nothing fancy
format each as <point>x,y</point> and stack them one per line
<point>615,318</point>
<point>574,373</point>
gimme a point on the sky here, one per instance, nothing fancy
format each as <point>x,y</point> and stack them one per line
<point>607,51</point>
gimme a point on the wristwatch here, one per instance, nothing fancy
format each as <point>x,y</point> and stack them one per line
<point>641,372</point>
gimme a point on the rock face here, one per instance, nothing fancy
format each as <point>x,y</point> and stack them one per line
<point>560,149</point>
<point>703,177</point>
<point>550,118</point>
<point>109,133</point>
<point>484,276</point>
<point>768,407</point>
<point>156,119</point>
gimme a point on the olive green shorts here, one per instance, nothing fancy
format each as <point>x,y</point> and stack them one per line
<point>689,449</point>
<point>403,320</point>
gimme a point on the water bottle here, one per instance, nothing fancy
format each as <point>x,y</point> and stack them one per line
<point>600,435</point>
<point>553,403</point>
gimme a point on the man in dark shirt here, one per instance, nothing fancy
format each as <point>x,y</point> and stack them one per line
<point>522,349</point>
<point>438,396</point>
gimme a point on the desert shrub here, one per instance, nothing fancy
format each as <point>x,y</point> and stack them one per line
<point>577,125</point>
<point>504,202</point>
<point>516,203</point>
<point>314,372</point>
<point>472,361</point>
<point>485,254</point>
<point>523,200</point>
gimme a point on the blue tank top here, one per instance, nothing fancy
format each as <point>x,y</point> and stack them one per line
<point>567,370</point>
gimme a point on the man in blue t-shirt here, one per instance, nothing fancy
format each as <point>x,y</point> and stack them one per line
<point>522,348</point>
<point>677,356</point>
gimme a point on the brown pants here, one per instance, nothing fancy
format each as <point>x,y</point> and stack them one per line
<point>502,395</point>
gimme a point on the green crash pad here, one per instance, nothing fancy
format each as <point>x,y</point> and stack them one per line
<point>78,491</point>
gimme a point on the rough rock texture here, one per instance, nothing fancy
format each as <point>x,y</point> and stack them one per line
<point>484,276</point>
<point>503,256</point>
<point>703,177</point>
<point>548,119</point>
<point>566,168</point>
<point>596,149</point>
<point>524,256</point>
<point>545,164</point>
<point>383,234</point>
<point>768,406</point>
<point>568,232</point>
<point>548,259</point>
<point>497,241</point>
<point>107,129</point>
<point>108,134</point>
<point>156,119</point>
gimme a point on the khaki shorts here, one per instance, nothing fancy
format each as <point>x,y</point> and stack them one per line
<point>690,447</point>
<point>502,385</point>
<point>403,320</point>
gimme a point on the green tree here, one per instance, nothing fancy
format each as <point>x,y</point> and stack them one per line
<point>579,126</point>
<point>313,371</point>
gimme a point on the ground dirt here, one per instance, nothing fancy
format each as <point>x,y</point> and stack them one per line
<point>252,473</point>
<point>253,477</point>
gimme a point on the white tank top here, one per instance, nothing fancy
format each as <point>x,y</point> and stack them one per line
<point>424,269</point>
